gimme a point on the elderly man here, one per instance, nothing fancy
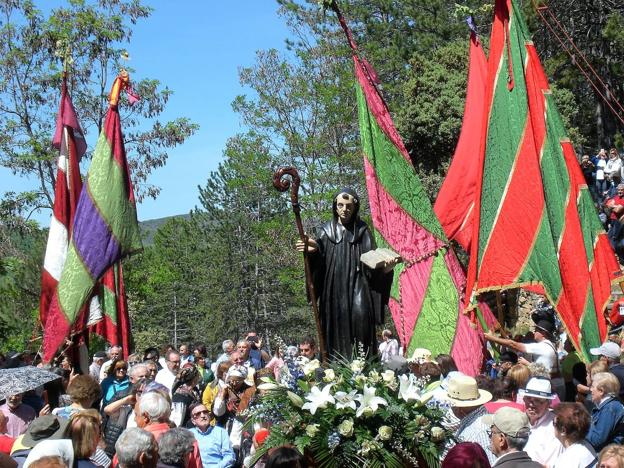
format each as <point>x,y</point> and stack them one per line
<point>96,365</point>
<point>214,443</point>
<point>113,353</point>
<point>152,413</point>
<point>175,448</point>
<point>610,353</point>
<point>543,446</point>
<point>136,448</point>
<point>509,433</point>
<point>467,402</point>
<point>18,415</point>
<point>167,374</point>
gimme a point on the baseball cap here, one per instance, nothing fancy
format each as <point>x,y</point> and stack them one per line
<point>609,349</point>
<point>510,421</point>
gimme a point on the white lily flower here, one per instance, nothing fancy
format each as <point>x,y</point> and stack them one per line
<point>408,390</point>
<point>345,400</point>
<point>268,386</point>
<point>318,398</point>
<point>369,403</point>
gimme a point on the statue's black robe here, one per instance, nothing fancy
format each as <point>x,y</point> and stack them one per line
<point>351,296</point>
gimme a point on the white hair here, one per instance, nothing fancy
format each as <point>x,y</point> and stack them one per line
<point>155,405</point>
<point>131,444</point>
<point>226,344</point>
<point>136,368</point>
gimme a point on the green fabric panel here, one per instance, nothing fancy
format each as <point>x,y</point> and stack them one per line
<point>75,285</point>
<point>395,292</point>
<point>394,172</point>
<point>435,326</point>
<point>556,180</point>
<point>108,301</point>
<point>543,263</point>
<point>506,124</point>
<point>590,223</point>
<point>106,185</point>
<point>589,328</point>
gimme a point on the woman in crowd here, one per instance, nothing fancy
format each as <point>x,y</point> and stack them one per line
<point>83,391</point>
<point>116,380</point>
<point>231,401</point>
<point>466,455</point>
<point>185,394</point>
<point>504,393</point>
<point>612,456</point>
<point>607,421</point>
<point>446,364</point>
<point>212,389</point>
<point>120,415</point>
<point>205,373</point>
<point>85,435</point>
<point>518,376</point>
<point>571,425</point>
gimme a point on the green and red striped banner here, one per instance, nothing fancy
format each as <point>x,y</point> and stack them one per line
<point>531,228</point>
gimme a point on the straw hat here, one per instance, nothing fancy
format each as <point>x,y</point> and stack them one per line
<point>463,392</point>
<point>421,355</point>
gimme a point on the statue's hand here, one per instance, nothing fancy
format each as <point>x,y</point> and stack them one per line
<point>312,245</point>
<point>388,266</point>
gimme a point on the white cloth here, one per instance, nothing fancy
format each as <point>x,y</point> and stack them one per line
<point>543,353</point>
<point>104,369</point>
<point>543,447</point>
<point>165,377</point>
<point>52,448</point>
<point>600,169</point>
<point>579,455</point>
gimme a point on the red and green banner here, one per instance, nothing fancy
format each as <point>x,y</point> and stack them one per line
<point>535,225</point>
<point>426,295</point>
<point>105,229</point>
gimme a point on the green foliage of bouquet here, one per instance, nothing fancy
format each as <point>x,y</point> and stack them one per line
<point>350,414</point>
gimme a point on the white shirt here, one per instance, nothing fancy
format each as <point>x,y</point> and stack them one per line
<point>600,167</point>
<point>543,353</point>
<point>543,447</point>
<point>165,377</point>
<point>613,166</point>
<point>578,455</point>
<point>387,349</point>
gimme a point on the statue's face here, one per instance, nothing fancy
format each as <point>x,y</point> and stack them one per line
<point>345,206</point>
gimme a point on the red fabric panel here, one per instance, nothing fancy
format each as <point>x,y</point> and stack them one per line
<point>454,205</point>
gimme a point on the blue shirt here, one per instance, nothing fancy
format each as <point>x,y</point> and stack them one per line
<point>607,424</point>
<point>215,447</point>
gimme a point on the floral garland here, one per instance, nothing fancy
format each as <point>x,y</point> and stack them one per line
<point>351,413</point>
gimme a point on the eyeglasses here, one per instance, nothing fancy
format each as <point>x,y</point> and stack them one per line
<point>199,413</point>
<point>121,368</point>
<point>490,433</point>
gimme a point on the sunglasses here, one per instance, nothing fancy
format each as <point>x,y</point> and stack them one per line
<point>121,368</point>
<point>199,413</point>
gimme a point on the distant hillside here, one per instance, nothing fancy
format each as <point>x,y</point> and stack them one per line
<point>150,226</point>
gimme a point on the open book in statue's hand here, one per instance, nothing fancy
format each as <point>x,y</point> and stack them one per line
<point>380,258</point>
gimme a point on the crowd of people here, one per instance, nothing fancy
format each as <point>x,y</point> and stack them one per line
<point>537,404</point>
<point>604,174</point>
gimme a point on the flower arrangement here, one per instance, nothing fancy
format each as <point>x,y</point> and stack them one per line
<point>351,413</point>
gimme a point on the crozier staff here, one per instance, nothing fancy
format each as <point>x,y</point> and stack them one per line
<point>351,296</point>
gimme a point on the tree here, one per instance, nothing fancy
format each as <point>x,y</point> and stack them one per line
<point>87,37</point>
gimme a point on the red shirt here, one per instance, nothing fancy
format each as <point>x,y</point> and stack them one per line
<point>616,200</point>
<point>6,444</point>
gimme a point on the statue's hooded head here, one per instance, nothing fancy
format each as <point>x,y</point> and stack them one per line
<point>346,206</point>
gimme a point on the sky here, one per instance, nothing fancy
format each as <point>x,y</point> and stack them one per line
<point>195,47</point>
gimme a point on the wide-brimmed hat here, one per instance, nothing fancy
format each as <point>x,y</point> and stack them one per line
<point>463,392</point>
<point>510,421</point>
<point>539,387</point>
<point>545,326</point>
<point>608,349</point>
<point>45,427</point>
<point>421,355</point>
